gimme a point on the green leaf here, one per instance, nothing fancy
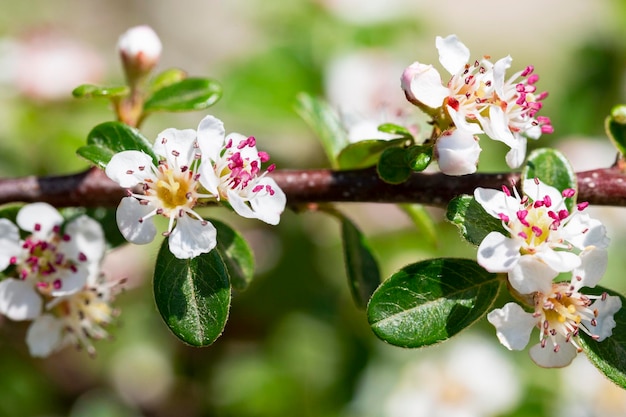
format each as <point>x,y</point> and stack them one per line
<point>325,122</point>
<point>167,78</point>
<point>609,356</point>
<point>361,266</point>
<point>236,254</point>
<point>365,153</point>
<point>97,91</point>
<point>615,126</point>
<point>192,295</point>
<point>9,211</point>
<point>472,219</point>
<point>185,95</point>
<point>431,301</point>
<point>394,129</point>
<point>552,168</point>
<point>419,157</point>
<point>393,166</point>
<point>109,138</point>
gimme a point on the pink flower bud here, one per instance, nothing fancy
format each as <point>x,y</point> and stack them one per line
<point>457,152</point>
<point>140,50</point>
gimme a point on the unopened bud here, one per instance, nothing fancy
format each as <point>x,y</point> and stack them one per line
<point>140,50</point>
<point>457,152</point>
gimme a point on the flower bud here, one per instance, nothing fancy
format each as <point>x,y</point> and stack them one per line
<point>422,85</point>
<point>457,152</point>
<point>140,50</point>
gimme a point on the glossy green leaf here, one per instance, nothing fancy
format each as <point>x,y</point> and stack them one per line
<point>431,301</point>
<point>97,91</point>
<point>109,138</point>
<point>394,129</point>
<point>615,126</point>
<point>361,266</point>
<point>365,153</point>
<point>167,78</point>
<point>609,356</point>
<point>552,168</point>
<point>472,219</point>
<point>419,157</point>
<point>393,166</point>
<point>185,95</point>
<point>9,211</point>
<point>192,295</point>
<point>236,254</point>
<point>325,122</point>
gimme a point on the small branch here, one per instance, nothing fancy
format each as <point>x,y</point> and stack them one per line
<point>92,188</point>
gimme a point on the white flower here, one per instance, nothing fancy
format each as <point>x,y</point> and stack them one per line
<point>140,49</point>
<point>231,169</point>
<point>512,111</point>
<point>457,152</point>
<point>74,319</point>
<point>478,99</point>
<point>544,238</point>
<point>49,262</point>
<point>171,189</point>
<point>560,313</point>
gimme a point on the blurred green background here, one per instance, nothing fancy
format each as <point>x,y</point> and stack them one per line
<point>295,344</point>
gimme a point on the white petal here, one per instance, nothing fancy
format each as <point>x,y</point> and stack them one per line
<point>513,325</point>
<point>515,157</point>
<point>560,261</point>
<point>457,153</point>
<point>461,123</point>
<point>453,54</point>
<point>499,71</point>
<point>592,268</point>
<point>128,214</point>
<point>497,253</point>
<point>267,207</point>
<point>605,322</point>
<point>248,153</point>
<point>497,126</point>
<point>539,191</point>
<point>239,204</point>
<point>496,202</point>
<point>43,336</point>
<point>423,83</point>
<point>176,145</point>
<point>9,243</point>
<point>211,137</point>
<point>86,237</point>
<point>191,237</point>
<point>19,300</point>
<point>583,231</point>
<point>41,214</point>
<point>530,274</point>
<point>546,357</point>
<point>130,168</point>
<point>208,177</point>
<point>71,282</point>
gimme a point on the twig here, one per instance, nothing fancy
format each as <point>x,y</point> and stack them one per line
<point>93,189</point>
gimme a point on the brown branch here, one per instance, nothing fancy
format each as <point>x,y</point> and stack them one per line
<point>93,189</point>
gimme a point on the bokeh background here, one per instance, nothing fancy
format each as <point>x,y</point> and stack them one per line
<point>295,344</point>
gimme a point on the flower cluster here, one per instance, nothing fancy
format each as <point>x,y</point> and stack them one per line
<point>478,98</point>
<point>544,239</point>
<point>53,278</point>
<point>193,166</point>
